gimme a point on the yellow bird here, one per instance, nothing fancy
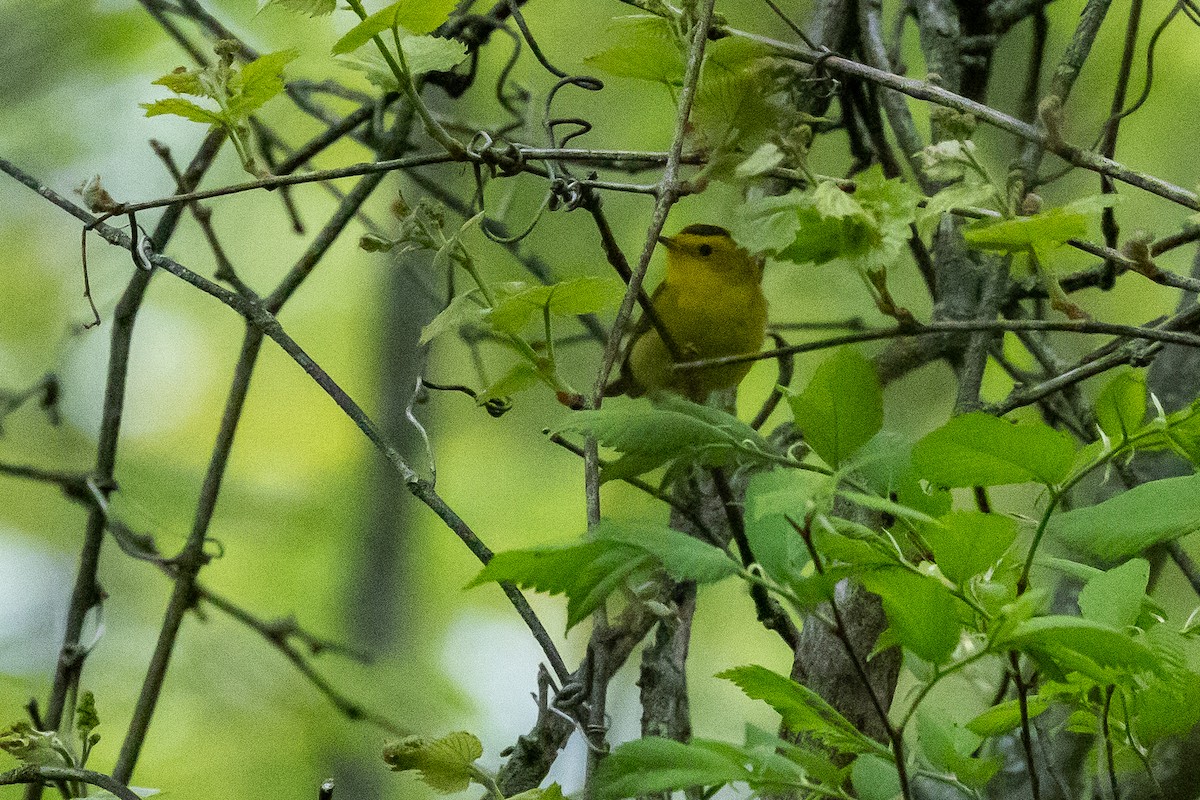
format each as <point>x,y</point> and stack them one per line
<point>711,304</point>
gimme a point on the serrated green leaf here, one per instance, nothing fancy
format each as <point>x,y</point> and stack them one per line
<point>1121,406</point>
<point>841,408</point>
<point>586,572</point>
<point>1125,525</point>
<point>978,449</point>
<point>313,8</point>
<point>1005,717</point>
<point>1115,597</point>
<point>652,765</point>
<point>258,82</point>
<point>463,310</point>
<point>832,201</point>
<point>412,16</point>
<point>676,432</point>
<point>645,47</point>
<point>1039,232</point>
<point>803,710</point>
<point>920,610</point>
<point>446,764</point>
<point>968,543</point>
<point>424,54</point>
<point>183,81</point>
<point>179,107</point>
<point>685,558</point>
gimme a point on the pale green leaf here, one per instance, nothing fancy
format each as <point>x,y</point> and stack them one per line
<point>183,108</point>
<point>652,765</point>
<point>1121,406</point>
<point>446,764</point>
<point>313,8</point>
<point>642,46</point>
<point>920,610</point>
<point>463,310</point>
<point>968,543</point>
<point>685,558</point>
<point>413,16</point>
<point>1006,717</point>
<point>1115,597</point>
<point>431,54</point>
<point>258,82</point>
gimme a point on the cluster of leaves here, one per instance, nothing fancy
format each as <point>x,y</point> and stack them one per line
<point>239,93</point>
<point>958,586</point>
<point>50,749</point>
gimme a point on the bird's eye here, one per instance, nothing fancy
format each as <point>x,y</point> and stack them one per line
<point>705,250</point>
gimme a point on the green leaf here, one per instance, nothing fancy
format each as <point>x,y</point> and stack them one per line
<point>645,48</point>
<point>182,108</point>
<point>1005,717</point>
<point>964,194</point>
<point>1040,232</point>
<point>968,543</point>
<point>1125,525</point>
<point>519,377</point>
<point>1121,406</point>
<point>875,778</point>
<point>761,161</point>
<point>685,558</point>
<point>258,82</point>
<point>29,746</point>
<point>920,610</point>
<point>948,160</point>
<point>803,710</point>
<point>1062,638</point>
<point>948,747</point>
<point>675,431</point>
<point>586,573</point>
<point>770,497</point>
<point>413,16</point>
<point>432,54</point>
<point>313,8</point>
<point>463,310</point>
<point>885,465</point>
<point>841,408</point>
<point>978,449</point>
<point>584,295</point>
<point>446,765</point>
<point>184,81</point>
<point>1115,597</point>
<point>652,765</point>
<point>551,792</point>
<point>885,506</point>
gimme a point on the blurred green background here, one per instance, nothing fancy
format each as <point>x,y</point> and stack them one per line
<point>308,522</point>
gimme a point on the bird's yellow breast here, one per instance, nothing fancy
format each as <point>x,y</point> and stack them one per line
<point>712,305</point>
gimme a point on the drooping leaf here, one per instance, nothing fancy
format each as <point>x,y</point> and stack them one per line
<point>446,765</point>
<point>770,498</point>
<point>978,449</point>
<point>1125,525</point>
<point>841,408</point>
<point>652,765</point>
<point>802,709</point>
<point>584,295</point>
<point>521,376</point>
<point>1121,406</point>
<point>465,309</point>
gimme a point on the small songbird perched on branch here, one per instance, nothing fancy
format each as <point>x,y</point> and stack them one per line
<point>711,304</point>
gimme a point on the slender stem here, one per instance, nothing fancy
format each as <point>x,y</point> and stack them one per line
<point>1026,730</point>
<point>1106,732</point>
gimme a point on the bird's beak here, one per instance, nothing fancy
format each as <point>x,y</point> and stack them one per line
<point>666,242</point>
